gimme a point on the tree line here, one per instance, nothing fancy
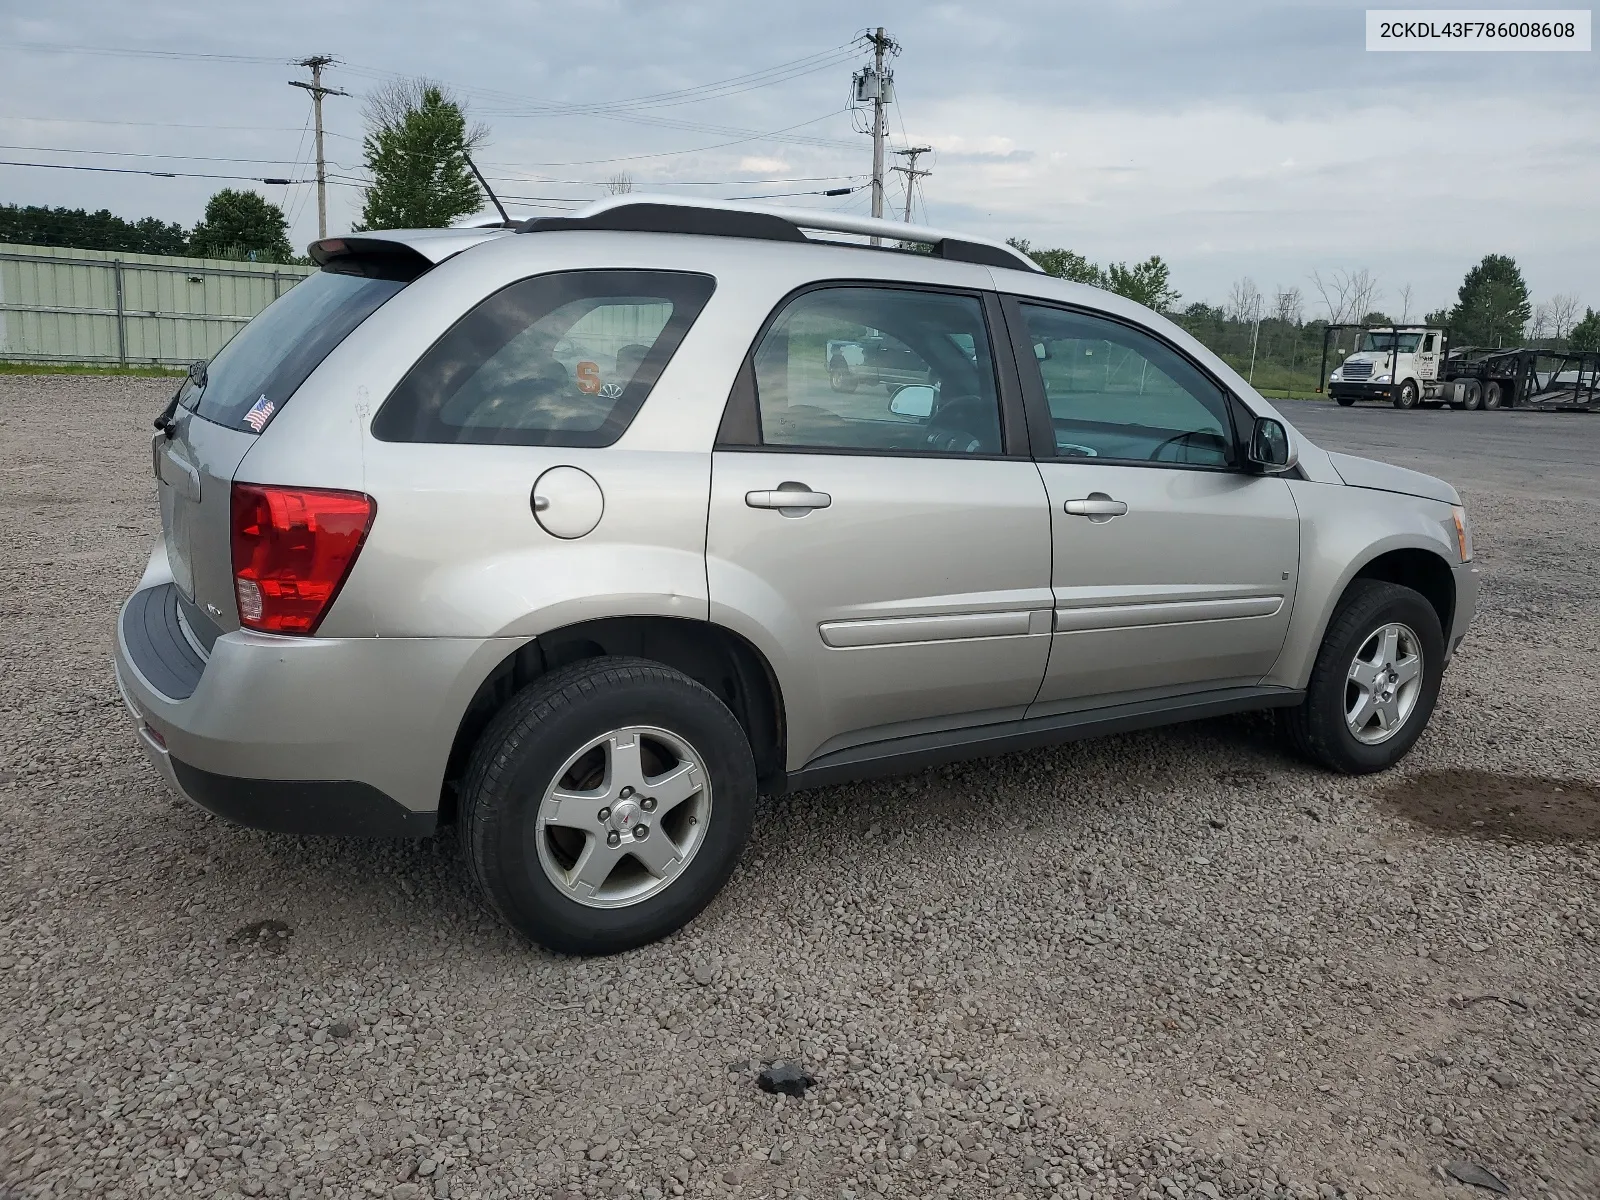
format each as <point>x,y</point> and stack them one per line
<point>240,225</point>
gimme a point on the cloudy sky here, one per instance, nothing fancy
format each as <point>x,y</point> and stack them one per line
<point>1232,138</point>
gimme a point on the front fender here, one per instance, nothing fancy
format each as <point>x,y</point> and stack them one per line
<point>1342,529</point>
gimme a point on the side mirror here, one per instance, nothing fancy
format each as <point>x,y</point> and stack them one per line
<point>1269,451</point>
<point>912,400</point>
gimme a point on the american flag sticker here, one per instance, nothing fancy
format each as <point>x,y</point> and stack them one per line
<point>260,413</point>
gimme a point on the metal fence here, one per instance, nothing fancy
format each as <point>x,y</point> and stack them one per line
<point>95,306</point>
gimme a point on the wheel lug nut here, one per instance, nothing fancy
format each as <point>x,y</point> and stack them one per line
<point>626,792</point>
<point>641,832</point>
<point>604,814</point>
<point>613,838</point>
<point>648,804</point>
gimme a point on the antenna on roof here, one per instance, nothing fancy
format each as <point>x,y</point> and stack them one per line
<point>484,183</point>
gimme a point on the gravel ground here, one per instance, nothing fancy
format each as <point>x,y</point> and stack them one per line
<point>1176,964</point>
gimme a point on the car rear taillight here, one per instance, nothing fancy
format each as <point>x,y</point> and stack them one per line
<point>292,549</point>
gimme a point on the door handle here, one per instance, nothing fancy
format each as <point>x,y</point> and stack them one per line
<point>790,499</point>
<point>1097,506</point>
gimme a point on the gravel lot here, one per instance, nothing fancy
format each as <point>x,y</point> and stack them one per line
<point>1176,964</point>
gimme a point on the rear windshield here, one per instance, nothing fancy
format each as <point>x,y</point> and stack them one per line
<point>266,361</point>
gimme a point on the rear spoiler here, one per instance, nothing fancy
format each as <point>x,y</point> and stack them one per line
<point>430,246</point>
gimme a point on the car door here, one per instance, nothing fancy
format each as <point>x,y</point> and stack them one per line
<point>1174,566</point>
<point>889,557</point>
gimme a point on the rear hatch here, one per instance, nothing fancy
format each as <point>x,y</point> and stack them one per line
<point>225,405</point>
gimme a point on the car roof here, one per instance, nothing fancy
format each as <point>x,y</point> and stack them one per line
<point>646,213</point>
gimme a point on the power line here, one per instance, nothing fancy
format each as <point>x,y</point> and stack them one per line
<point>593,162</point>
<point>273,162</point>
<point>137,52</point>
<point>157,174</point>
<point>717,89</point>
<point>845,191</point>
<point>527,106</point>
<point>159,124</point>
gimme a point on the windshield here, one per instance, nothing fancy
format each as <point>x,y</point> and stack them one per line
<point>267,360</point>
<point>1381,341</point>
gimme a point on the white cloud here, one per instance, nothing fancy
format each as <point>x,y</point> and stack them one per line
<point>756,163</point>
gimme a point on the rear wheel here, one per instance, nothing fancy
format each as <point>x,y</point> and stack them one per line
<point>1493,394</point>
<point>1375,681</point>
<point>607,804</point>
<point>1472,395</point>
<point>1406,397</point>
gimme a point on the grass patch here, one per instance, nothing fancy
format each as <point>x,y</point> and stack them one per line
<point>61,368</point>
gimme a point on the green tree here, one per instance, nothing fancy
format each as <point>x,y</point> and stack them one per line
<point>1492,305</point>
<point>416,149</point>
<point>242,225</point>
<point>1585,335</point>
<point>1063,264</point>
<point>1376,318</point>
<point>1147,283</point>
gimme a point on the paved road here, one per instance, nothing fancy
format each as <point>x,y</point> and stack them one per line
<point>1544,453</point>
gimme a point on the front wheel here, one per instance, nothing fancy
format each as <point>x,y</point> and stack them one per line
<point>1345,401</point>
<point>1375,681</point>
<point>607,804</point>
<point>1406,397</point>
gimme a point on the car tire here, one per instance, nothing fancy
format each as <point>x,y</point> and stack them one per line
<point>1472,396</point>
<point>1407,396</point>
<point>1320,727</point>
<point>531,864</point>
<point>1493,395</point>
<point>1345,401</point>
<point>840,377</point>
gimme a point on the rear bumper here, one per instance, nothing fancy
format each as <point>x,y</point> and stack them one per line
<point>304,735</point>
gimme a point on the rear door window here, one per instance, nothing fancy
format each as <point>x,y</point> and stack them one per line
<point>565,359</point>
<point>266,362</point>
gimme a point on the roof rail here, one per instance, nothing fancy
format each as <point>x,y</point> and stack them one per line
<point>722,218</point>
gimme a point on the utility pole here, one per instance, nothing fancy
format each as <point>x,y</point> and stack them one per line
<point>911,154</point>
<point>316,62</point>
<point>882,46</point>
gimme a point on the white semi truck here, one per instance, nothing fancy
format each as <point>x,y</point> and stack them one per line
<point>1398,363</point>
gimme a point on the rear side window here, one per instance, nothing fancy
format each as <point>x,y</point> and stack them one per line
<point>565,359</point>
<point>266,362</point>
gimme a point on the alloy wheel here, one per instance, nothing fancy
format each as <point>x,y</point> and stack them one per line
<point>1383,683</point>
<point>624,817</point>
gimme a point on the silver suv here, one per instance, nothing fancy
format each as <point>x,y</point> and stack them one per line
<point>563,535</point>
